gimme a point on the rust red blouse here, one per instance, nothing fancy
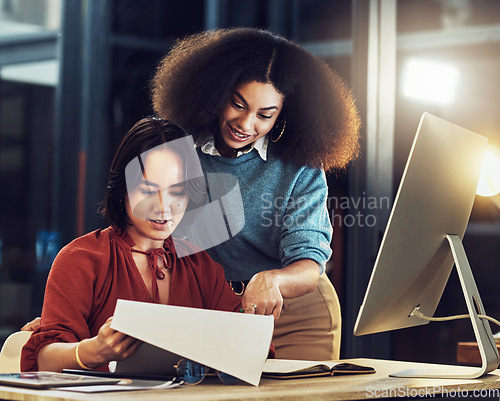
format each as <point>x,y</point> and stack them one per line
<point>91,273</point>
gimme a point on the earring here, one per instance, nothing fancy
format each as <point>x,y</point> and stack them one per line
<point>281,133</point>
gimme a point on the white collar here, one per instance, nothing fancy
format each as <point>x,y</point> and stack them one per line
<point>260,145</point>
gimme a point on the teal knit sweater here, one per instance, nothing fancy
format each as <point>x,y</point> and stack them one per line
<point>286,218</point>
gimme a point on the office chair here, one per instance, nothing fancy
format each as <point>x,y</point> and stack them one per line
<point>10,355</point>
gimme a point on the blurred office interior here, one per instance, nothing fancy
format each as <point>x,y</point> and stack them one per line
<point>74,78</point>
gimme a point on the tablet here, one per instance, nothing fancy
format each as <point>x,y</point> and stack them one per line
<point>149,360</point>
<point>42,380</point>
<point>117,375</point>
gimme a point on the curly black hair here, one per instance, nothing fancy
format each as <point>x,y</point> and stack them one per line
<point>194,80</point>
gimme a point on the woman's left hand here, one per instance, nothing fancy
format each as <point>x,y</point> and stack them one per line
<point>33,325</point>
<point>263,295</point>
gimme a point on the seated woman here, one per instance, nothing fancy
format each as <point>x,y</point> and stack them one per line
<point>151,187</point>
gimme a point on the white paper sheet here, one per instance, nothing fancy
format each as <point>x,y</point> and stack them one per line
<point>121,387</point>
<point>234,343</point>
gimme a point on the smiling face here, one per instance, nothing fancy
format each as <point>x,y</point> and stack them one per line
<point>248,114</point>
<point>156,203</point>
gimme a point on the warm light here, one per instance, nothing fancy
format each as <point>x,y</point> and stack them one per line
<point>430,81</point>
<point>489,181</point>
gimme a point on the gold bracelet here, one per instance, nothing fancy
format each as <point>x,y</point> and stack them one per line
<point>78,360</point>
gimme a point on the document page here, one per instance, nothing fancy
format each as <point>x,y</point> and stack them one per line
<point>234,343</point>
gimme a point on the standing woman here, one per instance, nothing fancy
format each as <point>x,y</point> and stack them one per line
<point>276,117</point>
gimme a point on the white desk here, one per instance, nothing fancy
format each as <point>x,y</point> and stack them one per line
<point>364,386</point>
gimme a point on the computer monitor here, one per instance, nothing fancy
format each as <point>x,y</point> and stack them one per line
<point>423,240</point>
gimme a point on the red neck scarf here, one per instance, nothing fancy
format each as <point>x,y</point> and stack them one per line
<point>160,253</point>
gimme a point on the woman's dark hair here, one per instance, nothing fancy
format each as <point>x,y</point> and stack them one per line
<point>195,79</point>
<point>147,134</point>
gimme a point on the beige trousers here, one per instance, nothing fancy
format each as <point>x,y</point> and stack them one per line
<point>309,326</point>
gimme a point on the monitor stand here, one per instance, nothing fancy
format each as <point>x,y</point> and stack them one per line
<point>482,331</point>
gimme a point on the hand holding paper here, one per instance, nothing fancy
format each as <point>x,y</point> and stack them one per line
<point>234,343</point>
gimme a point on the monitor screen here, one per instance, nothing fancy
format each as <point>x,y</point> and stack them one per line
<point>434,199</point>
<point>423,240</point>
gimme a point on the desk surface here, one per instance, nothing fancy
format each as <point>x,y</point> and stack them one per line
<point>365,386</point>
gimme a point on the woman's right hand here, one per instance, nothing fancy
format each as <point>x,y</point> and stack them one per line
<point>109,345</point>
